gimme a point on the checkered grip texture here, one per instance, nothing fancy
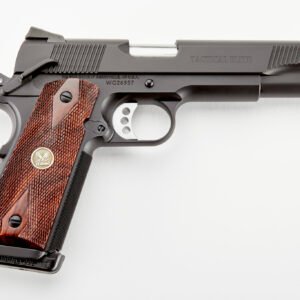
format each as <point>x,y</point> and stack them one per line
<point>43,189</point>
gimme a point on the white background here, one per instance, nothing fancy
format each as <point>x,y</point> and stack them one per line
<point>212,214</point>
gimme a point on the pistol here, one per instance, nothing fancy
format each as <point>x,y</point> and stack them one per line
<point>68,97</point>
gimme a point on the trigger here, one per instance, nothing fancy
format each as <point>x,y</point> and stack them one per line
<point>5,149</point>
<point>122,120</point>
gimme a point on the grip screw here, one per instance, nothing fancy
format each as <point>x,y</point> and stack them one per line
<point>15,221</point>
<point>149,83</point>
<point>66,97</point>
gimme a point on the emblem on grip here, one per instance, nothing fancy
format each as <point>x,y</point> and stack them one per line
<point>42,158</point>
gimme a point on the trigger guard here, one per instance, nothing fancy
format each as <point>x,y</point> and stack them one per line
<point>6,148</point>
<point>19,111</point>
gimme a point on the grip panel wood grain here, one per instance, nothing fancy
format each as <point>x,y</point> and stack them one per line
<point>35,194</point>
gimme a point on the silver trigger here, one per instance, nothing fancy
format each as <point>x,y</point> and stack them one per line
<point>122,120</point>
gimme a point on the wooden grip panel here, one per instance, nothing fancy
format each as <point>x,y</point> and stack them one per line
<point>35,178</point>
